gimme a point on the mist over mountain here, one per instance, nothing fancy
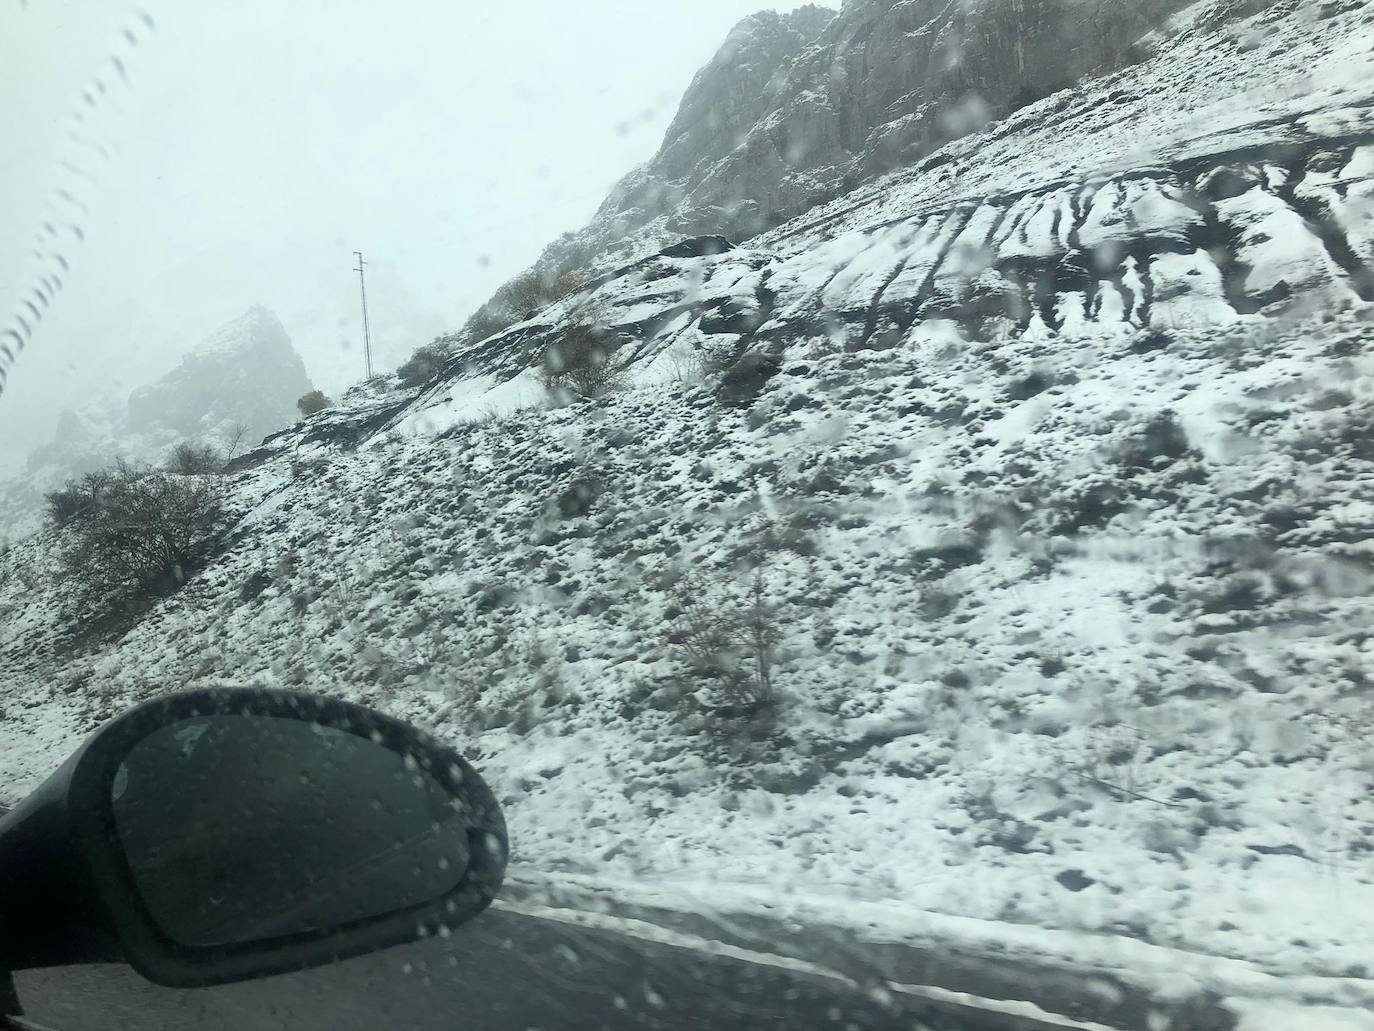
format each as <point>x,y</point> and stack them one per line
<point>239,384</point>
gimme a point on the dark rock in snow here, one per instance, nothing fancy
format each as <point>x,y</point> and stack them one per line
<point>1074,880</point>
<point>577,499</point>
<point>1278,850</point>
<point>698,247</point>
<point>730,315</point>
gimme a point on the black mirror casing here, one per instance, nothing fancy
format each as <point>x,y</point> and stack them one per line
<point>68,895</point>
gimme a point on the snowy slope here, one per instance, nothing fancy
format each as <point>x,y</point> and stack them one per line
<point>1227,175</point>
<point>1065,487</point>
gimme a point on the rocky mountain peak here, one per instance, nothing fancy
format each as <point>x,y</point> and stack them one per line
<point>245,373</point>
<point>795,110</point>
<point>735,89</point>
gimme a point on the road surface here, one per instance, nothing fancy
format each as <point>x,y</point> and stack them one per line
<point>514,969</point>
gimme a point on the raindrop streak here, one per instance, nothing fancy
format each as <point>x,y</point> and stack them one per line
<point>67,197</point>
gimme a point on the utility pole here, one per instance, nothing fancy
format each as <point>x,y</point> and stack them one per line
<point>367,334</point>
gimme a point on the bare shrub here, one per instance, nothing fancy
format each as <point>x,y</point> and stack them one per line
<point>580,363</point>
<point>567,282</point>
<point>731,641</point>
<point>531,292</point>
<point>1114,760</point>
<point>685,368</point>
<point>487,321</point>
<point>191,459</point>
<point>525,295</point>
<point>64,504</point>
<point>423,365</point>
<point>522,298</point>
<point>700,364</point>
<point>313,402</point>
<point>75,497</point>
<point>129,532</point>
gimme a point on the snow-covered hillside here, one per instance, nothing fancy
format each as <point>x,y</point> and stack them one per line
<point>1056,452</point>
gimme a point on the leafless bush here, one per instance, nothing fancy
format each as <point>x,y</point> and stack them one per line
<point>129,532</point>
<point>581,363</point>
<point>315,401</point>
<point>1114,760</point>
<point>731,641</point>
<point>685,367</point>
<point>191,459</point>
<point>700,364</point>
<point>423,365</point>
<point>525,296</point>
<point>76,497</point>
<point>522,298</point>
<point>531,292</point>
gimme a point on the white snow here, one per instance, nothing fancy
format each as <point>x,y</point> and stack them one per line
<point>1075,656</point>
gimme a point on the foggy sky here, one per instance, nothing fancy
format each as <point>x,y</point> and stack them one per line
<point>257,143</point>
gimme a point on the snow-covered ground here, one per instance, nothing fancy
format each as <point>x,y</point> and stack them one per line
<point>1074,589</point>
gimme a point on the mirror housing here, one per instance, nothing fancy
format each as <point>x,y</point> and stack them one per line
<point>68,894</point>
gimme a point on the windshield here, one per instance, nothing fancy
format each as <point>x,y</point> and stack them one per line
<point>881,490</point>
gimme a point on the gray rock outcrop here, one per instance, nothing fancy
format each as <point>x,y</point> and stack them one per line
<point>795,110</point>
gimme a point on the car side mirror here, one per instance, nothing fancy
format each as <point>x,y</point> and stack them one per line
<point>228,834</point>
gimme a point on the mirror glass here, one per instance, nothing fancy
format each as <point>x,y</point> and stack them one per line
<point>246,828</point>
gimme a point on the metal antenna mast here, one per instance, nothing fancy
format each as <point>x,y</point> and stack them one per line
<point>367,334</point>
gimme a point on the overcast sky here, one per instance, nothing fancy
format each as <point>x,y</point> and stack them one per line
<point>256,143</point>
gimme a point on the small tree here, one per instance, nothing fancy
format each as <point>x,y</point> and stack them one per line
<point>313,402</point>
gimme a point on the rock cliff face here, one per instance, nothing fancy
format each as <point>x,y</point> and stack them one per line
<point>796,110</point>
<point>1194,187</point>
<point>247,373</point>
